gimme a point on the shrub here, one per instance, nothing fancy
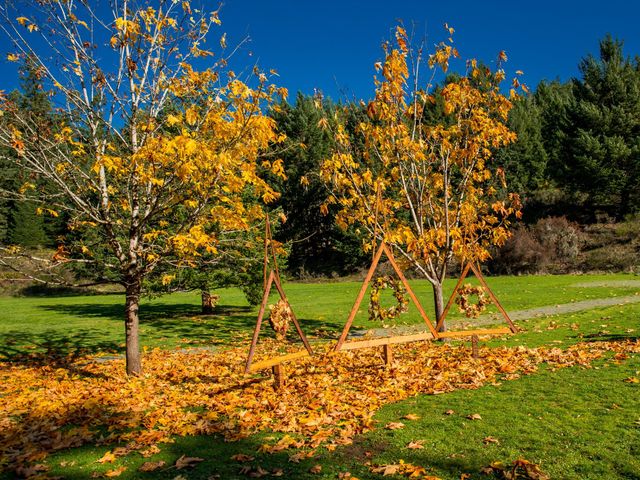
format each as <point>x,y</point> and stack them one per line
<point>551,245</point>
<point>522,253</point>
<point>559,237</point>
<point>613,258</point>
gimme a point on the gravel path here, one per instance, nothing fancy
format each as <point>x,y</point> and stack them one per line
<point>608,283</point>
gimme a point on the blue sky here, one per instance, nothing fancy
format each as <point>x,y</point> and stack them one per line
<point>331,45</point>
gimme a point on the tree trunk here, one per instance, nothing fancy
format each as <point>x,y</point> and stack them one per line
<point>134,363</point>
<point>208,302</point>
<point>625,199</point>
<point>438,302</point>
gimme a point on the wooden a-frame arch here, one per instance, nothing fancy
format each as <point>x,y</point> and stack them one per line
<point>475,268</point>
<point>272,277</point>
<point>385,342</point>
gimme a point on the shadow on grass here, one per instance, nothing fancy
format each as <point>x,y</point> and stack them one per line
<point>608,337</point>
<point>218,462</point>
<point>187,321</point>
<point>165,325</point>
<point>148,312</point>
<point>54,348</point>
<point>39,290</point>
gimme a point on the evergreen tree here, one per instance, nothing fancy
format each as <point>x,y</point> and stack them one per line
<point>601,133</point>
<point>20,223</point>
<point>26,228</point>
<point>318,246</point>
<point>525,161</point>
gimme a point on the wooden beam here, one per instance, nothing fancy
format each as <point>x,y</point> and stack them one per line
<point>402,278</point>
<point>256,331</point>
<point>478,273</point>
<point>293,315</point>
<point>271,362</point>
<point>376,342</point>
<point>363,290</point>
<point>469,333</point>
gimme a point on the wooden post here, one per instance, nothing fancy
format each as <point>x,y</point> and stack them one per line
<point>474,346</point>
<point>387,354</point>
<point>278,376</point>
<point>208,302</point>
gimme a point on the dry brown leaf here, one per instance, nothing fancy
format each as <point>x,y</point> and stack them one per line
<point>187,462</point>
<point>115,472</point>
<point>394,425</point>
<point>259,472</point>
<point>315,469</point>
<point>108,457</point>
<point>519,469</point>
<point>632,380</point>
<point>417,445</point>
<point>121,451</point>
<point>31,470</point>
<point>296,457</point>
<point>488,440</point>
<point>449,412</point>
<point>474,416</point>
<point>152,466</point>
<point>411,416</point>
<point>386,470</point>
<point>152,450</point>
<point>241,457</point>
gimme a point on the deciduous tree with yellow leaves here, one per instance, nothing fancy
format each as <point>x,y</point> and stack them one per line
<point>428,188</point>
<point>153,160</point>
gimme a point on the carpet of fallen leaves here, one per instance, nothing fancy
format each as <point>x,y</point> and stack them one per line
<point>328,399</point>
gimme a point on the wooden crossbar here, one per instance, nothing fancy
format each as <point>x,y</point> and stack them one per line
<point>254,367</point>
<point>375,342</point>
<point>469,333</point>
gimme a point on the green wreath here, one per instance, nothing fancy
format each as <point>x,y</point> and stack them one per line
<point>377,311</point>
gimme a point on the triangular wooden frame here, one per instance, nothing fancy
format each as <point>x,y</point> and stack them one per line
<point>475,268</point>
<point>341,345</point>
<point>273,277</point>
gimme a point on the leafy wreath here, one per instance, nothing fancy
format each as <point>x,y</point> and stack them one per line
<point>472,310</point>
<point>376,311</point>
<point>280,317</point>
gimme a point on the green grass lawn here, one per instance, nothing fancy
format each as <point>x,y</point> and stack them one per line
<point>95,322</point>
<point>576,423</point>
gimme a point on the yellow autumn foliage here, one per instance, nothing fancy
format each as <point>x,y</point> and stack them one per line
<point>435,180</point>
